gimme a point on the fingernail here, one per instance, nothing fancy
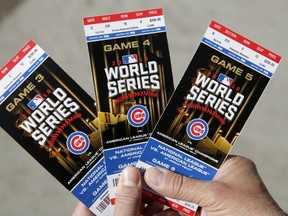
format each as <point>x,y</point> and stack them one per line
<point>155,176</point>
<point>130,177</point>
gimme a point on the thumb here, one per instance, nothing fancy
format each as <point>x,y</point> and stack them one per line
<point>128,199</point>
<point>176,186</point>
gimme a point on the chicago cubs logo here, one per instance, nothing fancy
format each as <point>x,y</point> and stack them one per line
<point>138,116</point>
<point>78,143</point>
<point>197,129</point>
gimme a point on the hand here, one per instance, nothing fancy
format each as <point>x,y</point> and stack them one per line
<point>236,190</point>
<point>128,202</point>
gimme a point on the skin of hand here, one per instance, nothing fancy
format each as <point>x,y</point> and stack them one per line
<point>129,194</point>
<point>236,190</point>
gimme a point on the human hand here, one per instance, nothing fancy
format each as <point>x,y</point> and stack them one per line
<point>128,202</point>
<point>236,190</point>
<point>129,193</point>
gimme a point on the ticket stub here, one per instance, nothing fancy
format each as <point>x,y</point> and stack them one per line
<point>55,121</point>
<point>213,100</point>
<point>133,80</point>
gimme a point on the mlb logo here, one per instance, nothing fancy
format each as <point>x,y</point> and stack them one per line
<point>35,102</point>
<point>129,59</point>
<point>222,78</point>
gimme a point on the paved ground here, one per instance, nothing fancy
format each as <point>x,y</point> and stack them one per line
<point>27,189</point>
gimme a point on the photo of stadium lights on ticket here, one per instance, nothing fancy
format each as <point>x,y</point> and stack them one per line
<point>133,81</point>
<point>210,106</point>
<point>56,122</point>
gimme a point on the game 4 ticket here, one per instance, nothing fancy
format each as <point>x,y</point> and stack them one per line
<point>133,81</point>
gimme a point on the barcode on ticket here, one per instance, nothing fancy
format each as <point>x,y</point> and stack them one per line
<point>103,204</point>
<point>115,182</point>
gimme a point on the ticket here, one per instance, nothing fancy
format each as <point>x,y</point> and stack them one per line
<point>56,122</point>
<point>210,106</point>
<point>133,81</point>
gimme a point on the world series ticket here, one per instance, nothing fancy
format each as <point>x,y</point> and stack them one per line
<point>205,115</point>
<point>56,122</point>
<point>133,81</point>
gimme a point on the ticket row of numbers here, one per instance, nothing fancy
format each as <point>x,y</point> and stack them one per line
<point>241,49</point>
<point>19,68</point>
<point>123,25</point>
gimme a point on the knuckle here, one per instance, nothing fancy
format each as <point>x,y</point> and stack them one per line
<point>127,199</point>
<point>178,186</point>
<point>245,162</point>
<point>211,195</point>
<point>186,189</point>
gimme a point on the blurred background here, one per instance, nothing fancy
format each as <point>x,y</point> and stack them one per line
<point>27,189</point>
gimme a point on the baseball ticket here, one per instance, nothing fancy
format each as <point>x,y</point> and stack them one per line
<point>210,106</point>
<point>56,122</point>
<point>133,81</point>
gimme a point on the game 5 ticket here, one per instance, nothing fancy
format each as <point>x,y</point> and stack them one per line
<point>208,109</point>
